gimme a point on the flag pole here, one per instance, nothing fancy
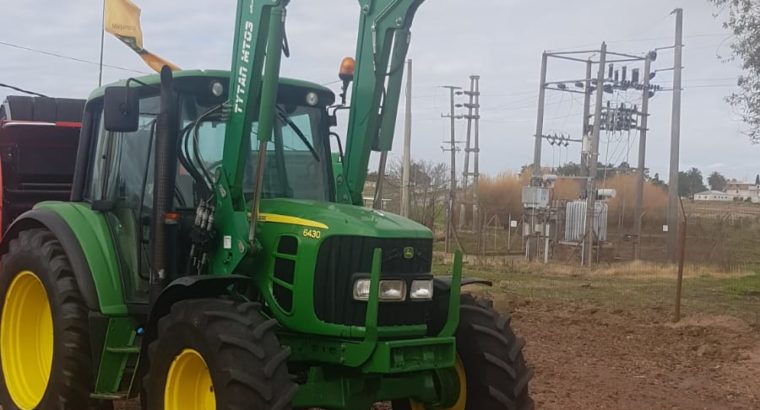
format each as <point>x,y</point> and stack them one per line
<point>102,40</point>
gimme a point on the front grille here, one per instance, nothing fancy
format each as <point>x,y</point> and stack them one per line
<point>342,258</point>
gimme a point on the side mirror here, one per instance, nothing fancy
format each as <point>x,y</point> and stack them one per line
<point>121,109</point>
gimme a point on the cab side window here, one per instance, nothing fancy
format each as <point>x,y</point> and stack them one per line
<point>121,178</point>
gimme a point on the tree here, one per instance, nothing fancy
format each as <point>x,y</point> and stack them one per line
<point>717,181</point>
<point>757,179</point>
<point>428,189</point>
<point>690,182</point>
<point>570,169</point>
<point>742,18</point>
<point>656,181</point>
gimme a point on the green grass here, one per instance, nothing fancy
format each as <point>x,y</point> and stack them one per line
<point>704,294</point>
<point>746,286</point>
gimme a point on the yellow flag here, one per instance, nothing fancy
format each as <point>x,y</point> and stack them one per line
<point>122,19</point>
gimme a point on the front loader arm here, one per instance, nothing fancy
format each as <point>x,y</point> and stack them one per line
<point>254,77</point>
<point>381,49</point>
<point>254,80</point>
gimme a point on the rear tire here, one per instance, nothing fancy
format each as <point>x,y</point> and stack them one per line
<point>49,372</point>
<point>495,370</point>
<point>245,365</point>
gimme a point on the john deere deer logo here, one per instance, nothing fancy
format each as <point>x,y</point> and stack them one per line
<point>408,252</point>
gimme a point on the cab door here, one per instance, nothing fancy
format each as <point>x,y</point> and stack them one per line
<point>120,184</point>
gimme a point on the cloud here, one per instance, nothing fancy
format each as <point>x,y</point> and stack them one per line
<point>501,40</point>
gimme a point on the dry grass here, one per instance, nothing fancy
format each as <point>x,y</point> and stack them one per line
<point>639,286</point>
<point>628,270</point>
<point>568,189</point>
<point>655,202</point>
<point>502,195</point>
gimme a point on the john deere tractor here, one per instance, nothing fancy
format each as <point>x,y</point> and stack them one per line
<point>214,254</point>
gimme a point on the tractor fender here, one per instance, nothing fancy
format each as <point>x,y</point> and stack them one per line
<point>45,218</point>
<point>443,283</point>
<point>190,287</point>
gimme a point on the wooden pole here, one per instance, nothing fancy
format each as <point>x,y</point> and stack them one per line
<point>681,258</point>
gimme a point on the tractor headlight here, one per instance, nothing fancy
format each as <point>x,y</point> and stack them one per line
<point>421,290</point>
<point>217,89</point>
<point>361,289</point>
<point>312,98</point>
<point>390,290</point>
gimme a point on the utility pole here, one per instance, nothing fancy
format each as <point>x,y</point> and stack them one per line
<point>476,167</point>
<point>642,156</point>
<point>535,180</point>
<point>615,120</point>
<point>406,169</point>
<point>453,186</point>
<point>536,177</point>
<point>593,159</point>
<point>463,207</point>
<point>675,137</point>
<point>102,43</point>
<point>377,202</point>
<point>585,129</point>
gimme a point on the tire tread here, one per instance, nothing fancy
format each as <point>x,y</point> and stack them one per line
<point>71,379</point>
<point>247,362</point>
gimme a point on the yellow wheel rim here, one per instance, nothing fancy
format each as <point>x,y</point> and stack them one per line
<point>462,399</point>
<point>188,384</point>
<point>26,340</point>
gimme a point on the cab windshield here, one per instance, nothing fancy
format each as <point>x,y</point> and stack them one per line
<point>298,161</point>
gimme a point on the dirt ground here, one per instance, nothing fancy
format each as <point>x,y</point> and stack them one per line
<point>605,339</point>
<point>587,356</point>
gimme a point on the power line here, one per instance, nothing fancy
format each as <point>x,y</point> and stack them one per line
<point>641,40</point>
<point>65,57</point>
<point>23,90</point>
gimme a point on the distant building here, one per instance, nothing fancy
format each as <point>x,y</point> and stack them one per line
<point>713,196</point>
<point>370,184</point>
<point>743,191</point>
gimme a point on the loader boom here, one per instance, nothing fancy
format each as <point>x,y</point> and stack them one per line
<point>253,83</point>
<point>383,41</point>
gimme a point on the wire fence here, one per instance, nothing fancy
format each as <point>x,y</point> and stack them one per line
<point>721,275</point>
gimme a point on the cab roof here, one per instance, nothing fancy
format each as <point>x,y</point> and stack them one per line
<point>155,79</point>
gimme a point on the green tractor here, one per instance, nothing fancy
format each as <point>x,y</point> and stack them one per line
<point>214,254</point>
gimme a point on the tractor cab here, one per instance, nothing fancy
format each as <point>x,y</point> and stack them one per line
<point>116,166</point>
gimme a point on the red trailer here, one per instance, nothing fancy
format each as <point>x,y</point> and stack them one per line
<point>38,145</point>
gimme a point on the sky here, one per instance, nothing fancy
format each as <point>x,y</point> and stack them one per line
<point>500,40</point>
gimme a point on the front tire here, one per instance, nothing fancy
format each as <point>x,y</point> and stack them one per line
<point>492,371</point>
<point>44,339</point>
<point>214,353</point>
<point>491,352</point>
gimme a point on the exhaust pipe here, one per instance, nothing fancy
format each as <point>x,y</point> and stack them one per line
<point>165,174</point>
